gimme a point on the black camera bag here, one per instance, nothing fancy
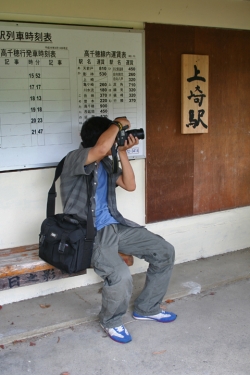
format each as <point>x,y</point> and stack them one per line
<point>64,241</point>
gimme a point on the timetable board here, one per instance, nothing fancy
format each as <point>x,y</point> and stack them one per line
<point>52,78</point>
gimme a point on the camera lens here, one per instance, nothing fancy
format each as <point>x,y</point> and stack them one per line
<point>139,133</point>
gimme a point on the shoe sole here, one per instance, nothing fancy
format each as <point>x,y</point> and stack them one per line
<point>155,320</point>
<point>119,342</point>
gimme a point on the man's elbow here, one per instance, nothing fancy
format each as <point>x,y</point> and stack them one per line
<point>131,187</point>
<point>101,151</point>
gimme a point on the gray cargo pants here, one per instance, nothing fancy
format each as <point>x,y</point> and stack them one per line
<point>117,286</point>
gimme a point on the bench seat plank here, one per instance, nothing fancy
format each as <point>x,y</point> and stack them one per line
<point>14,263</point>
<point>14,250</point>
<point>31,278</point>
<point>21,266</point>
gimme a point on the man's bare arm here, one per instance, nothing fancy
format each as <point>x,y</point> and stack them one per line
<point>127,179</point>
<point>105,142</point>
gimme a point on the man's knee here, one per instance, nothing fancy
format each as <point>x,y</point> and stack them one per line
<point>121,275</point>
<point>165,256</point>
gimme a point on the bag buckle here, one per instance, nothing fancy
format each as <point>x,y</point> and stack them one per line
<point>62,244</point>
<point>61,247</point>
<point>42,238</point>
<point>88,239</point>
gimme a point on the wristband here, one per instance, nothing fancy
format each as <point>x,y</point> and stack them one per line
<point>118,124</point>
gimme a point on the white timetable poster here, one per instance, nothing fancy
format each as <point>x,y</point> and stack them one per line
<point>52,78</point>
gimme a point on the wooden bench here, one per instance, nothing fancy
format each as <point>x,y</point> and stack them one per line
<point>21,266</point>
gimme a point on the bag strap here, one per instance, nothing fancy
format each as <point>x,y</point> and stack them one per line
<point>115,159</point>
<point>52,191</point>
<point>90,231</point>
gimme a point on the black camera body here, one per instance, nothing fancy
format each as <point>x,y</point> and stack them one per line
<point>122,135</point>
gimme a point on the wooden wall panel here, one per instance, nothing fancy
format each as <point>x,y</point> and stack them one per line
<point>214,155</point>
<point>195,174</point>
<point>169,154</point>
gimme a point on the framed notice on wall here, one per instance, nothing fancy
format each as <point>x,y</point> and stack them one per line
<point>194,94</point>
<point>52,78</point>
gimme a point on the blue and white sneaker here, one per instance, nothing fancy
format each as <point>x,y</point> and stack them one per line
<point>162,317</point>
<point>118,334</point>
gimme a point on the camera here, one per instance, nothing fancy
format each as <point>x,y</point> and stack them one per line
<point>122,135</point>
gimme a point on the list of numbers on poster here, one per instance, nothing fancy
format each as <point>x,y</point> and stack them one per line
<point>106,86</point>
<point>54,77</point>
<point>35,101</point>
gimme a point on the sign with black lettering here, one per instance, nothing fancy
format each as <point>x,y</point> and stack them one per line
<point>194,100</point>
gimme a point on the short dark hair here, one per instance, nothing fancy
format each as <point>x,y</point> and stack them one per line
<point>92,128</point>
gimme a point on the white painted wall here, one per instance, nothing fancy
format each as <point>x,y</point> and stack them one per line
<point>193,237</point>
<point>212,13</point>
<point>24,206</point>
<point>24,199</point>
<point>23,194</point>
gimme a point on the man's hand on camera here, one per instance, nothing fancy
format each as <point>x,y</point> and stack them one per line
<point>129,143</point>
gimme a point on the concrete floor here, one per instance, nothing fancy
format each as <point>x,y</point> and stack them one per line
<point>211,335</point>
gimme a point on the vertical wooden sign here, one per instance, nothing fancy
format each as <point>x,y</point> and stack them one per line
<point>194,94</point>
